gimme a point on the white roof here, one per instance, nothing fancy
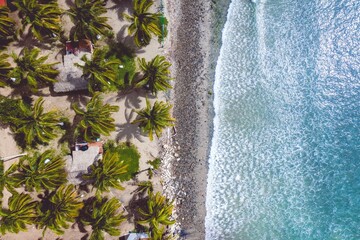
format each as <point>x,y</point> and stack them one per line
<point>80,162</point>
<point>137,236</point>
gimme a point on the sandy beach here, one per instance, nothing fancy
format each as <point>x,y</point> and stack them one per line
<point>190,56</point>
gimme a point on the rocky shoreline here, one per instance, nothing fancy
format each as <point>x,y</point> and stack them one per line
<point>186,153</point>
<point>193,49</point>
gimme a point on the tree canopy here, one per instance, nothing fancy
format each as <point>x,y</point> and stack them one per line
<point>143,23</point>
<point>21,211</point>
<point>107,173</point>
<point>153,119</point>
<point>33,124</point>
<point>103,215</point>
<point>86,15</point>
<point>58,209</point>
<point>41,171</point>
<point>156,74</point>
<point>95,119</point>
<point>31,70</point>
<point>43,18</point>
<point>100,71</point>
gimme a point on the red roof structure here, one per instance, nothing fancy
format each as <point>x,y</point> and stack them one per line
<point>2,3</point>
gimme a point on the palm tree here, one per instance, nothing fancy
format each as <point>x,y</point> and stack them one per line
<point>43,18</point>
<point>44,171</point>
<point>100,72</point>
<point>35,125</point>
<point>31,70</point>
<point>157,213</point>
<point>5,68</point>
<point>86,15</point>
<point>156,74</point>
<point>7,25</point>
<point>143,23</point>
<point>58,209</point>
<point>103,215</point>
<point>22,211</point>
<point>6,180</point>
<point>154,119</point>
<point>107,173</point>
<point>96,118</point>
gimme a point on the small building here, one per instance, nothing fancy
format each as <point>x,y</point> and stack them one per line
<point>136,236</point>
<point>70,77</point>
<point>83,156</point>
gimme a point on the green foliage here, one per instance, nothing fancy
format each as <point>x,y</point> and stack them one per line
<point>155,74</point>
<point>107,173</point>
<point>21,211</point>
<point>96,118</point>
<point>154,119</point>
<point>101,73</point>
<point>103,215</point>
<point>7,26</point>
<point>9,109</point>
<point>157,214</point>
<point>143,23</point>
<point>35,125</point>
<point>86,15</point>
<point>144,187</point>
<point>44,171</point>
<point>5,67</point>
<point>155,163</point>
<point>43,18</point>
<point>6,180</point>
<point>125,71</point>
<point>129,154</point>
<point>58,209</point>
<point>32,71</point>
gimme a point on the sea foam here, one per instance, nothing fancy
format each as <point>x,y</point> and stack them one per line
<point>284,160</point>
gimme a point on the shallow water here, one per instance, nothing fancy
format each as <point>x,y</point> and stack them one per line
<point>285,157</point>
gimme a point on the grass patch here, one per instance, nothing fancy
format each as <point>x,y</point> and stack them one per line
<point>127,153</point>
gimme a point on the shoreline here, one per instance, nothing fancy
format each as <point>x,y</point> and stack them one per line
<point>185,155</point>
<point>193,48</point>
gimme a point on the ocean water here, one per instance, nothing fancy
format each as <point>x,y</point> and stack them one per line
<point>285,155</point>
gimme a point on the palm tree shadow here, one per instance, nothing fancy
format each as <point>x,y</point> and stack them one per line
<point>135,203</point>
<point>121,6</point>
<point>128,130</point>
<point>132,99</point>
<point>128,40</point>
<point>27,40</point>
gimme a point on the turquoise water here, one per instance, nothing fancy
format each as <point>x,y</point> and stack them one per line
<point>285,156</point>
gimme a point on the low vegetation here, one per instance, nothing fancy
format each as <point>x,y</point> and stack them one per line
<point>34,190</point>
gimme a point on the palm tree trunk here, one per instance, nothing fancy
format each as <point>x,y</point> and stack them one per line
<point>5,159</point>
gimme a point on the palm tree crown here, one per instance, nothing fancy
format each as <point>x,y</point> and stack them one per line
<point>31,70</point>
<point>143,23</point>
<point>35,125</point>
<point>96,118</point>
<point>6,180</point>
<point>41,171</point>
<point>5,68</point>
<point>156,74</point>
<point>59,208</point>
<point>157,213</point>
<point>100,72</point>
<point>86,15</point>
<point>103,216</point>
<point>154,119</point>
<point>107,172</point>
<point>7,25</point>
<point>42,18</point>
<point>22,211</point>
